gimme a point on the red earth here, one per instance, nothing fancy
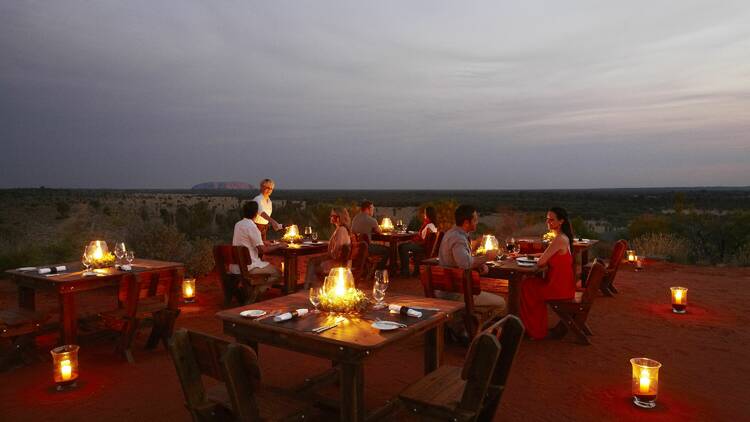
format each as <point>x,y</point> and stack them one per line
<point>705,355</point>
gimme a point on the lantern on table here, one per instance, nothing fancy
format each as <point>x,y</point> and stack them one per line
<point>645,381</point>
<point>679,299</point>
<point>549,236</point>
<point>291,234</point>
<point>639,263</point>
<point>97,255</point>
<point>489,243</point>
<point>339,293</point>
<point>386,225</point>
<point>65,366</point>
<point>631,256</point>
<point>188,290</point>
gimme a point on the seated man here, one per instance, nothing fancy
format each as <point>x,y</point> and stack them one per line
<point>365,223</point>
<point>455,251</point>
<point>247,234</point>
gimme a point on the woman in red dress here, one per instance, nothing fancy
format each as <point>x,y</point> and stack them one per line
<point>559,282</point>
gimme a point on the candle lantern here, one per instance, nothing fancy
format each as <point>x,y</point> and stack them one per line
<point>188,290</point>
<point>679,299</point>
<point>97,255</point>
<point>65,366</point>
<point>489,243</point>
<point>639,263</point>
<point>645,381</point>
<point>292,234</point>
<point>339,293</point>
<point>386,225</point>
<point>631,256</point>
<point>549,236</point>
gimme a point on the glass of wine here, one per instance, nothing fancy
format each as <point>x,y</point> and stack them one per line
<point>129,256</point>
<point>510,244</point>
<point>86,261</point>
<point>400,225</point>
<point>314,236</point>
<point>120,250</point>
<point>378,293</point>
<point>315,297</point>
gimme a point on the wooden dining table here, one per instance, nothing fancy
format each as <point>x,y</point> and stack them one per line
<point>347,345</point>
<point>67,284</point>
<point>505,270</point>
<point>581,248</point>
<point>393,239</point>
<point>290,253</point>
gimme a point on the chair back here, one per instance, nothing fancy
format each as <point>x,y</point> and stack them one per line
<point>593,281</point>
<point>448,279</point>
<point>358,254</point>
<point>195,354</point>
<point>509,332</point>
<point>148,284</point>
<point>528,246</point>
<point>479,366</point>
<point>362,237</point>
<point>436,246</point>
<point>227,255</point>
<point>242,377</point>
<point>618,252</point>
<point>429,243</point>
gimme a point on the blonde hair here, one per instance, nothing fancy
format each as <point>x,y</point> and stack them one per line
<point>266,182</point>
<point>344,219</point>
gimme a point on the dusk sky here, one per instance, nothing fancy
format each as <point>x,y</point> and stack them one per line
<point>377,94</point>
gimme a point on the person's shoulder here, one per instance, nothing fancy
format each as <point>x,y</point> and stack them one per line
<point>258,197</point>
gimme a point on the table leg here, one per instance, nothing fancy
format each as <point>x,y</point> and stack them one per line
<point>26,298</point>
<point>290,274</point>
<point>68,318</point>
<point>584,261</point>
<point>514,294</point>
<point>175,288</point>
<point>352,391</point>
<point>393,267</point>
<point>433,348</point>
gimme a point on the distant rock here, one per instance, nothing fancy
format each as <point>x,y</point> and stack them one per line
<point>223,186</point>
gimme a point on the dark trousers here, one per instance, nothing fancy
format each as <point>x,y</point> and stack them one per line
<point>403,252</point>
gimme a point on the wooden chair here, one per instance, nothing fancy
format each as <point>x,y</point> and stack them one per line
<point>372,261</point>
<point>359,260</point>
<point>144,300</point>
<point>471,393</point>
<point>456,280</point>
<point>245,287</point>
<point>436,246</point>
<point>613,264</point>
<point>239,396</point>
<point>573,313</point>
<point>429,249</point>
<point>18,328</point>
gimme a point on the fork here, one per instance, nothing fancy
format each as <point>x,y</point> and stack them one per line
<point>398,324</point>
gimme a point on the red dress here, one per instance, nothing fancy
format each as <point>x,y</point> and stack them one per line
<point>535,291</point>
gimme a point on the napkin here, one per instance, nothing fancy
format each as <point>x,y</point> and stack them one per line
<point>125,267</point>
<point>52,270</point>
<point>289,315</point>
<point>404,310</point>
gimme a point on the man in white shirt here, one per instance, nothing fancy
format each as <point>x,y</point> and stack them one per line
<point>265,208</point>
<point>247,234</point>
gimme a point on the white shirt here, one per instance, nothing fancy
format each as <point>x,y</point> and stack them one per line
<point>427,229</point>
<point>264,206</point>
<point>247,234</point>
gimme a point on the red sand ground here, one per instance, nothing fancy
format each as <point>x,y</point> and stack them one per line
<point>705,357</point>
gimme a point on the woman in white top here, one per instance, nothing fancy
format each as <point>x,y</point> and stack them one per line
<point>339,247</point>
<point>417,246</point>
<point>265,208</point>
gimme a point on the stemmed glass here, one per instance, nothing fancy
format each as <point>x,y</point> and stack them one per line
<point>379,288</point>
<point>400,225</point>
<point>314,236</point>
<point>120,251</point>
<point>86,261</point>
<point>308,232</point>
<point>315,297</point>
<point>129,256</point>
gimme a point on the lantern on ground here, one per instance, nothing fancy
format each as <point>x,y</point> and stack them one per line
<point>639,263</point>
<point>188,290</point>
<point>65,366</point>
<point>386,225</point>
<point>631,256</point>
<point>679,299</point>
<point>645,381</point>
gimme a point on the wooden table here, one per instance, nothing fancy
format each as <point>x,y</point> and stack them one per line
<point>506,270</point>
<point>290,254</point>
<point>73,281</point>
<point>393,239</point>
<point>347,345</point>
<point>580,247</point>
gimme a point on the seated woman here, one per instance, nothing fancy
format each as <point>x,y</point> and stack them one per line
<point>559,282</point>
<point>417,246</point>
<point>338,248</point>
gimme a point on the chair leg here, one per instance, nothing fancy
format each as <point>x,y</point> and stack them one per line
<point>163,326</point>
<point>125,343</point>
<point>587,329</point>
<point>574,327</point>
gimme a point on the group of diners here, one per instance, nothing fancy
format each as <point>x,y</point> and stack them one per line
<point>455,251</point>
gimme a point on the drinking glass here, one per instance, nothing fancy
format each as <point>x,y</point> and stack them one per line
<point>85,260</point>
<point>308,231</point>
<point>378,293</point>
<point>516,248</point>
<point>510,244</point>
<point>315,297</point>
<point>314,236</point>
<point>381,277</point>
<point>129,256</point>
<point>120,251</point>
<point>400,225</point>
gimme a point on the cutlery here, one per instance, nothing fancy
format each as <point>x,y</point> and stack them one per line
<point>424,309</point>
<point>398,324</point>
<point>325,328</point>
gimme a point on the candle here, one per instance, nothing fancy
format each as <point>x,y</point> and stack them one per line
<point>188,290</point>
<point>386,224</point>
<point>679,299</point>
<point>65,366</point>
<point>631,256</point>
<point>645,382</point>
<point>66,370</point>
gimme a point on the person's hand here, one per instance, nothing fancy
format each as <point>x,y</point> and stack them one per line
<point>484,269</point>
<point>276,226</point>
<point>282,245</point>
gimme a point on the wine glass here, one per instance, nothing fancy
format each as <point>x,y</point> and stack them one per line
<point>86,261</point>
<point>314,236</point>
<point>315,297</point>
<point>378,293</point>
<point>129,256</point>
<point>308,232</point>
<point>120,251</point>
<point>400,225</point>
<point>510,243</point>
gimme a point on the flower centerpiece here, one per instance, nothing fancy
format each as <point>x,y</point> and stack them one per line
<point>340,295</point>
<point>549,236</point>
<point>489,243</point>
<point>292,235</point>
<point>98,255</point>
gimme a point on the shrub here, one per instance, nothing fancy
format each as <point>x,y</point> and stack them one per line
<point>63,210</point>
<point>664,245</point>
<point>198,258</point>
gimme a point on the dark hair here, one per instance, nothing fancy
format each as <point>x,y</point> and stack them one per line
<point>249,209</point>
<point>431,213</point>
<point>365,205</point>
<point>566,227</point>
<point>464,212</point>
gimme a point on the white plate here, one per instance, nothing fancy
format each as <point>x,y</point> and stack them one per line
<point>252,313</point>
<point>525,263</point>
<point>385,325</point>
<point>26,269</point>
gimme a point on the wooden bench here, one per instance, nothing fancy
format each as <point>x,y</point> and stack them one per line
<point>19,327</point>
<point>240,395</point>
<point>573,313</point>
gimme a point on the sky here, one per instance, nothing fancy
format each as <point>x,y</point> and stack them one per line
<point>375,95</point>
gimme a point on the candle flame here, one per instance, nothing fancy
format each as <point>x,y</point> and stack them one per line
<point>188,291</point>
<point>678,296</point>
<point>644,382</point>
<point>386,224</point>
<point>66,369</point>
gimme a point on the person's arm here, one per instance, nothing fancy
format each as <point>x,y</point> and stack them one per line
<point>376,226</point>
<point>557,245</point>
<point>275,224</point>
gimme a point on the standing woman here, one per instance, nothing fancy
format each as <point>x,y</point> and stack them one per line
<point>559,283</point>
<point>265,208</point>
<point>417,246</point>
<point>339,247</point>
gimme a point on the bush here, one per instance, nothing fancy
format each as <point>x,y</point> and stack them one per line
<point>664,245</point>
<point>199,258</point>
<point>63,210</point>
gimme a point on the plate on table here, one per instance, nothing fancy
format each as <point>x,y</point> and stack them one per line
<point>526,262</point>
<point>252,313</point>
<point>386,325</point>
<point>26,269</point>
